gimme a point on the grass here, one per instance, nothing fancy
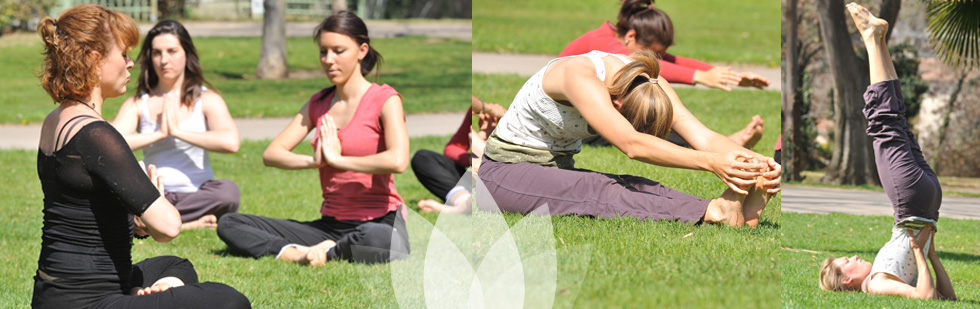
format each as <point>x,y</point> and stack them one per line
<point>838,235</point>
<point>432,74</point>
<point>730,32</point>
<point>665,264</point>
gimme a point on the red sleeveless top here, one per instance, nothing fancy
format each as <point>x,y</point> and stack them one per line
<point>349,195</point>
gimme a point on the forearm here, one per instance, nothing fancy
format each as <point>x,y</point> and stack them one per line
<point>656,151</point>
<point>222,141</point>
<point>943,285</point>
<point>924,287</point>
<point>137,141</point>
<point>285,159</point>
<point>387,162</point>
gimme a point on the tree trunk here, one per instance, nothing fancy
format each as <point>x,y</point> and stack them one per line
<point>852,161</point>
<point>338,5</point>
<point>272,61</point>
<point>791,109</point>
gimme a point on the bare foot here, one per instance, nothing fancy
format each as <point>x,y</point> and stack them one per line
<point>755,203</point>
<point>871,27</point>
<point>726,209</point>
<point>296,254</point>
<point>207,221</point>
<point>751,134</point>
<point>317,255</point>
<point>430,206</point>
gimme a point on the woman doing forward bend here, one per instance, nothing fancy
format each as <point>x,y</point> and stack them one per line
<point>902,265</point>
<point>528,158</point>
<point>177,121</point>
<point>93,185</point>
<point>360,141</point>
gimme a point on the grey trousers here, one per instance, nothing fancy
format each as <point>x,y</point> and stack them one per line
<point>523,187</point>
<point>215,196</point>
<point>907,179</point>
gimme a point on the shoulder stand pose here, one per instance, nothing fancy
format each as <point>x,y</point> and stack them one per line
<point>641,26</point>
<point>361,140</point>
<point>528,158</point>
<point>902,265</point>
<point>177,121</point>
<point>93,185</point>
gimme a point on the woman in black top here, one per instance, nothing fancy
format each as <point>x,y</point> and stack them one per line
<point>93,185</point>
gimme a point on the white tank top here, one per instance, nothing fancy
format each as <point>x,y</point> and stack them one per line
<point>896,258</point>
<point>184,167</point>
<point>536,120</point>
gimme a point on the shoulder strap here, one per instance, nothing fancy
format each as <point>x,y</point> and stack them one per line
<point>600,67</point>
<point>70,129</point>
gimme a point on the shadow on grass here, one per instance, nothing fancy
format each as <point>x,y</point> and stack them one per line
<point>225,252</point>
<point>962,257</point>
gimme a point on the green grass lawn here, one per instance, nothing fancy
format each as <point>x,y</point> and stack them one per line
<point>432,74</point>
<point>837,235</point>
<point>629,262</point>
<point>708,30</point>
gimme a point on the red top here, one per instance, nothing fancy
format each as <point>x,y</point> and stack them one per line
<point>458,147</point>
<point>779,142</point>
<point>673,68</point>
<point>349,195</point>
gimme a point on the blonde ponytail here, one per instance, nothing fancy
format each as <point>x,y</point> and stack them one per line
<point>643,102</point>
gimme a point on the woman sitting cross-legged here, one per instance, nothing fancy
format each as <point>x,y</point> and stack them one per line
<point>361,140</point>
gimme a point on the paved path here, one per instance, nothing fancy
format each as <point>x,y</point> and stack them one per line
<point>26,136</point>
<point>860,202</point>
<point>444,29</point>
<point>529,64</point>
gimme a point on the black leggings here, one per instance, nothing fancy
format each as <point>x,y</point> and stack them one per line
<point>375,241</point>
<point>75,293</point>
<point>436,172</point>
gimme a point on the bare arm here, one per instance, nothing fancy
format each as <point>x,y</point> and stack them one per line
<point>394,159</point>
<point>222,134</point>
<point>944,287</point>
<point>126,123</point>
<point>160,220</point>
<point>280,154</point>
<point>696,133</point>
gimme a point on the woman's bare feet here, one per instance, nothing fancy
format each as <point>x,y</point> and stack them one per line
<point>871,27</point>
<point>207,221</point>
<point>751,134</point>
<point>755,203</point>
<point>726,209</point>
<point>296,254</point>
<point>430,206</point>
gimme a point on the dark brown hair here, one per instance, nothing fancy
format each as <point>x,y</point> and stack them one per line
<point>193,74</point>
<point>651,24</point>
<point>70,69</point>
<point>346,23</point>
<point>643,103</point>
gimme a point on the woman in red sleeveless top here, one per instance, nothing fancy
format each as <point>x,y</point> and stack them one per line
<point>360,141</point>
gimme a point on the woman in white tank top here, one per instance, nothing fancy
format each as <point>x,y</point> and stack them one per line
<point>177,121</point>
<point>528,157</point>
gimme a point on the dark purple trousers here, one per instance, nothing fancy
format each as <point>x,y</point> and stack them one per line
<point>909,183</point>
<point>214,197</point>
<point>523,187</point>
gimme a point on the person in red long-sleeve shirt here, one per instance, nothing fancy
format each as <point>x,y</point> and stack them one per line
<point>644,27</point>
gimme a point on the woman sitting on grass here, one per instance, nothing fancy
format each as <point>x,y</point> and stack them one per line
<point>93,185</point>
<point>900,268</point>
<point>361,140</point>
<point>644,27</point>
<point>528,159</point>
<point>177,122</point>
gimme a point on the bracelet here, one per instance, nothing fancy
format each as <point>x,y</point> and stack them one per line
<point>483,106</point>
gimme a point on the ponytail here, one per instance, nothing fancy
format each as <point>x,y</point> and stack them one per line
<point>643,102</point>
